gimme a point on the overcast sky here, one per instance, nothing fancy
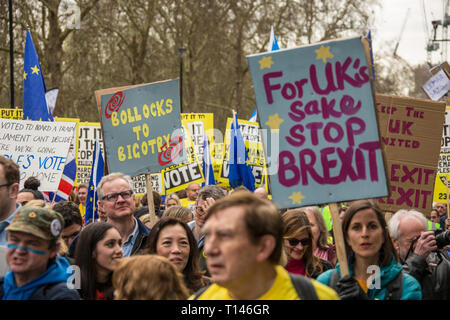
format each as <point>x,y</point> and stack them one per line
<point>412,46</point>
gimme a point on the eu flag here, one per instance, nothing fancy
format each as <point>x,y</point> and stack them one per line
<point>97,171</point>
<point>207,167</point>
<point>273,44</point>
<point>34,103</point>
<point>240,171</point>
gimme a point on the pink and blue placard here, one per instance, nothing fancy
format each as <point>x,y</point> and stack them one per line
<point>319,100</point>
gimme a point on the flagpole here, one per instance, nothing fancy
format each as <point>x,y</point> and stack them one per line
<point>11,52</point>
<point>151,204</point>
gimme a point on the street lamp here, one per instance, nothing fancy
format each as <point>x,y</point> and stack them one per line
<point>181,51</point>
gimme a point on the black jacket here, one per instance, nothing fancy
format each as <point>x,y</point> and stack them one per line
<point>141,240</point>
<point>435,280</point>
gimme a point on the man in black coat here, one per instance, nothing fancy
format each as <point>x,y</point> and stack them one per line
<point>419,254</point>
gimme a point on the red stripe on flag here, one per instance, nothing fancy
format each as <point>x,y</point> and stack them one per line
<point>65,186</point>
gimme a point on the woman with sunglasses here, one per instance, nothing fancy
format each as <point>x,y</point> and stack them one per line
<point>374,271</point>
<point>298,246</point>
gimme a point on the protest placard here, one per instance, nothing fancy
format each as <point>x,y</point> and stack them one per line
<point>74,145</point>
<point>141,128</point>
<point>11,114</point>
<point>39,148</point>
<point>410,131</point>
<point>198,125</point>
<point>178,177</point>
<point>437,86</point>
<point>318,99</point>
<point>140,184</point>
<point>88,132</point>
<point>443,170</point>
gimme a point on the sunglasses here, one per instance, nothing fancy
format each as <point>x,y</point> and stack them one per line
<point>294,242</point>
<point>114,196</point>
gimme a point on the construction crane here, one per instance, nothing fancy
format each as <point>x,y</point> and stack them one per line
<point>401,32</point>
<point>433,43</point>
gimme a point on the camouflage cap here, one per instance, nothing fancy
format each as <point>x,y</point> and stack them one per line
<point>40,222</point>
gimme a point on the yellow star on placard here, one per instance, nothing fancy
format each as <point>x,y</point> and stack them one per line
<point>297,197</point>
<point>265,62</point>
<point>35,69</point>
<point>25,75</point>
<point>274,122</point>
<point>324,53</point>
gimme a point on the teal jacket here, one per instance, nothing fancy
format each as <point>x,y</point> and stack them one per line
<point>411,288</point>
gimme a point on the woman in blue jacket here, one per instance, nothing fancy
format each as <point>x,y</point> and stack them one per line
<point>373,262</point>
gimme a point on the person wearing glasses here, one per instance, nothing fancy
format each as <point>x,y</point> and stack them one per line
<point>374,271</point>
<point>298,245</point>
<point>116,199</point>
<point>9,189</point>
<point>419,253</point>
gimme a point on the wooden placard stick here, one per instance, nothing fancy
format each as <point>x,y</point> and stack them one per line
<point>339,239</point>
<point>447,199</point>
<point>151,204</point>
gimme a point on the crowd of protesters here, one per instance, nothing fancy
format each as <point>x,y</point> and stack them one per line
<point>210,243</point>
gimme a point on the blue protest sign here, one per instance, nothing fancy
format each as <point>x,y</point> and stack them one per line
<point>320,101</point>
<point>141,127</point>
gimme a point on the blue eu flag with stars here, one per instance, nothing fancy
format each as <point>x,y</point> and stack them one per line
<point>97,171</point>
<point>34,103</point>
<point>240,172</point>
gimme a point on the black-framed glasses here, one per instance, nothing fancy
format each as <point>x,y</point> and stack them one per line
<point>5,185</point>
<point>411,247</point>
<point>114,196</point>
<point>294,241</point>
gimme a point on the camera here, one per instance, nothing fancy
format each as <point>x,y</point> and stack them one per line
<point>442,238</point>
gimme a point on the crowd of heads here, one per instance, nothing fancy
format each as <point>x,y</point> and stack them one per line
<point>132,253</point>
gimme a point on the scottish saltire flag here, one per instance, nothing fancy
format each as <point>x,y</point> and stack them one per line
<point>97,171</point>
<point>254,116</point>
<point>67,180</point>
<point>273,44</point>
<point>240,171</point>
<point>207,167</point>
<point>34,103</point>
<point>369,37</point>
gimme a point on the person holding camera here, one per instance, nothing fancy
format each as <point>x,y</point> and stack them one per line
<point>419,252</point>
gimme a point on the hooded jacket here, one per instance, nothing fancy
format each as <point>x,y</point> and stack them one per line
<point>411,288</point>
<point>50,285</point>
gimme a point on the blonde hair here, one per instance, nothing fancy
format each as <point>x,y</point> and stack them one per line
<point>172,196</point>
<point>148,277</point>
<point>145,218</point>
<point>180,213</point>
